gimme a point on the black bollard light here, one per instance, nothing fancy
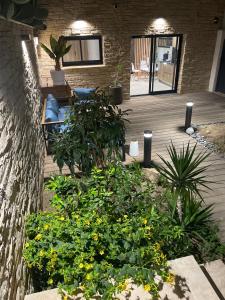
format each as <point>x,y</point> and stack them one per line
<point>188,117</point>
<point>147,148</point>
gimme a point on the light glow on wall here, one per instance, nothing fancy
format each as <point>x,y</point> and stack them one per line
<point>80,25</point>
<point>160,24</point>
<point>36,42</point>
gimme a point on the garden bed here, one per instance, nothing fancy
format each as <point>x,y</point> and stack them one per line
<point>211,136</point>
<point>115,225</point>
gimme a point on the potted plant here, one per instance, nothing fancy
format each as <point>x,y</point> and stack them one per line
<point>116,90</point>
<point>56,52</point>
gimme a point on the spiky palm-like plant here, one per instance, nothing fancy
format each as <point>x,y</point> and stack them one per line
<point>184,172</point>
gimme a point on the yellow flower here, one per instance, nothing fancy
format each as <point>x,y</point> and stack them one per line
<point>88,266</point>
<point>50,281</point>
<point>101,252</point>
<point>145,221</point>
<point>38,237</point>
<point>62,218</point>
<point>95,237</point>
<point>41,253</point>
<point>170,279</point>
<point>99,221</point>
<point>157,246</point>
<point>65,297</point>
<point>81,265</point>
<point>147,287</point>
<point>27,245</point>
<point>46,227</point>
<point>89,276</point>
<point>87,222</point>
<point>122,286</point>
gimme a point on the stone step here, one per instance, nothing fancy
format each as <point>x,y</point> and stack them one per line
<point>190,284</point>
<point>216,275</point>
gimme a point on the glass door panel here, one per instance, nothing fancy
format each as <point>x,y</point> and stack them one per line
<point>140,65</point>
<point>165,56</point>
<point>155,63</point>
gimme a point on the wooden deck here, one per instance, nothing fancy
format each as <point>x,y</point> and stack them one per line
<point>164,115</point>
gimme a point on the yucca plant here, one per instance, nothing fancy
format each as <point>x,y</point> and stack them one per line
<point>184,172</point>
<point>194,215</point>
<point>58,49</point>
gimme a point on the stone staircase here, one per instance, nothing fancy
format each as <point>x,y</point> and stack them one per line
<point>192,282</point>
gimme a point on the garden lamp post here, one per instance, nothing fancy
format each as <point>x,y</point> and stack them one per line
<point>188,117</point>
<point>147,148</point>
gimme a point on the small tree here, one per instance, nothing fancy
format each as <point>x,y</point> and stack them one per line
<point>57,51</point>
<point>94,135</point>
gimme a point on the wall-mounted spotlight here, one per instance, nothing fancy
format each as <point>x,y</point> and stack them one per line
<point>25,37</point>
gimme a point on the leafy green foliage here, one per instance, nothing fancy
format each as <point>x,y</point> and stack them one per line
<point>111,228</point>
<point>89,244</point>
<point>94,136</point>
<point>58,48</point>
<point>184,173</point>
<point>182,177</point>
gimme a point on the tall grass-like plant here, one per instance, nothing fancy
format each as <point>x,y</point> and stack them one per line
<point>184,171</point>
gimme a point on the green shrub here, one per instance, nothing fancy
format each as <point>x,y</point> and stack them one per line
<point>183,177</point>
<point>111,227</point>
<point>104,231</point>
<point>94,136</point>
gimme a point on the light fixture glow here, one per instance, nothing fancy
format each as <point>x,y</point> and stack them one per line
<point>147,134</point>
<point>36,42</point>
<point>134,149</point>
<point>80,25</point>
<point>160,24</point>
<point>189,104</point>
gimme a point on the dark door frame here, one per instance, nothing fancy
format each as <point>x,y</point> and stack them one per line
<point>152,62</point>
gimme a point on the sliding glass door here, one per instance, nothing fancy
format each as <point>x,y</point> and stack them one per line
<point>155,63</point>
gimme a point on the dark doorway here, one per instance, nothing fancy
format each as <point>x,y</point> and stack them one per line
<point>155,61</point>
<point>220,84</point>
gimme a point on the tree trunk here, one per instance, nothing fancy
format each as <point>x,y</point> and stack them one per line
<point>57,65</point>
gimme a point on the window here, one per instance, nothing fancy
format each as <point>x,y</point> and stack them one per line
<point>85,50</point>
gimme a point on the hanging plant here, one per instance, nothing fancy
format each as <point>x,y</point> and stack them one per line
<point>25,11</point>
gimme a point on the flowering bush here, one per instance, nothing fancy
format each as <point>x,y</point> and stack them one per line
<point>107,230</point>
<point>88,244</point>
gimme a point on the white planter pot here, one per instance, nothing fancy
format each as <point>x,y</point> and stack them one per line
<point>58,77</point>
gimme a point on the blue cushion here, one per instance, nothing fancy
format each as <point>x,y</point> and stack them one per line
<point>52,103</point>
<point>51,116</point>
<point>83,93</point>
<point>64,112</point>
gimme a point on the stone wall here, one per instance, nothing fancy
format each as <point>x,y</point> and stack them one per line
<point>193,19</point>
<point>21,153</point>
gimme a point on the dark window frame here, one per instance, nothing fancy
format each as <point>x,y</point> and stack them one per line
<point>179,37</point>
<point>84,62</point>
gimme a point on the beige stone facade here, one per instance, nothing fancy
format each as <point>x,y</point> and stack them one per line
<point>21,153</point>
<point>193,19</point>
